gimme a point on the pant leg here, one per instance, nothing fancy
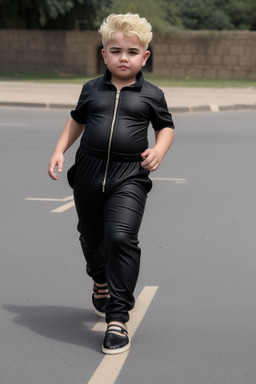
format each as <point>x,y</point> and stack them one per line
<point>123,212</point>
<point>86,184</point>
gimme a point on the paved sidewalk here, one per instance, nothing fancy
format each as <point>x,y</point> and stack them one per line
<point>179,99</point>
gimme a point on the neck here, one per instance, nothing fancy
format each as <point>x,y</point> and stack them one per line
<point>122,83</point>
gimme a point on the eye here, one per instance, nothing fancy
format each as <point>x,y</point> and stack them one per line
<point>115,52</point>
<point>133,52</point>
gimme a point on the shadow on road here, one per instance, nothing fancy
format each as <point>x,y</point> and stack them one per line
<point>69,325</point>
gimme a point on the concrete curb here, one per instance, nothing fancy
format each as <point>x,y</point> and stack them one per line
<point>213,108</point>
<point>35,105</point>
<point>181,109</point>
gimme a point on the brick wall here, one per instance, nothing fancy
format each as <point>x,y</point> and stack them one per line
<point>185,54</point>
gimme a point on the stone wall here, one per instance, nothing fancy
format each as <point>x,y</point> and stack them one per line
<point>198,54</point>
<point>192,54</point>
<point>64,52</point>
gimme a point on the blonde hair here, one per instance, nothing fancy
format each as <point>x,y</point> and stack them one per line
<point>129,24</point>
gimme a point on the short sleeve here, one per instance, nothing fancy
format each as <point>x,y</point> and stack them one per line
<point>79,114</point>
<point>161,117</point>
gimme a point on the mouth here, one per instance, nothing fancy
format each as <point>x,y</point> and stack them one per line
<point>123,67</point>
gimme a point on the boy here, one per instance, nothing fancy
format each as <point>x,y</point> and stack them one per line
<point>110,175</point>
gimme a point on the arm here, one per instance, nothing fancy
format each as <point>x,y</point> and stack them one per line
<point>153,156</point>
<point>71,131</point>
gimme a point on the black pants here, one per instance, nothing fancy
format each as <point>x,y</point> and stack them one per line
<point>109,223</point>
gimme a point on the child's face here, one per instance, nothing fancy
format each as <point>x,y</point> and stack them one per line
<point>124,57</point>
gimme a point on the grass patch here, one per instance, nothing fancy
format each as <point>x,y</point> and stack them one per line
<point>204,83</point>
<point>159,81</point>
<point>44,77</point>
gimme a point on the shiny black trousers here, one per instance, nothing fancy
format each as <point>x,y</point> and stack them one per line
<point>109,223</point>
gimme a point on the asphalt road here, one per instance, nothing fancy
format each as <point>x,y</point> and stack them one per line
<point>198,241</point>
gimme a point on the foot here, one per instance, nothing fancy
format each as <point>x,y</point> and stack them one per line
<point>116,339</point>
<point>100,298</point>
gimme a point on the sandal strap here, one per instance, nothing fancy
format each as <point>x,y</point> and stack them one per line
<point>97,290</point>
<point>116,328</point>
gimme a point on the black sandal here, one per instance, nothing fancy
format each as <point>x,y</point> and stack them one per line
<point>116,340</point>
<point>100,303</point>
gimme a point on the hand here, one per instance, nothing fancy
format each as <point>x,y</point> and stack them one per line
<point>57,160</point>
<point>151,159</point>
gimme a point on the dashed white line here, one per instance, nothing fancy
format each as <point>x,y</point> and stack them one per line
<point>60,209</point>
<point>64,207</point>
<point>110,367</point>
<point>49,199</point>
<point>173,179</point>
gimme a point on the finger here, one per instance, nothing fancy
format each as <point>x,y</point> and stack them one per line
<point>148,162</point>
<point>145,154</point>
<point>156,164</point>
<point>60,165</point>
<point>153,165</point>
<point>52,175</point>
<point>51,171</point>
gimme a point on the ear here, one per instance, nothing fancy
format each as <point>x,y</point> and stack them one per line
<point>103,52</point>
<point>146,56</point>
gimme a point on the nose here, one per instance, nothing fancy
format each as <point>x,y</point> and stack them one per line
<point>123,57</point>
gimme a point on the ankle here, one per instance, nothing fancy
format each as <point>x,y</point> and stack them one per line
<point>100,291</point>
<point>118,323</point>
<point>100,284</point>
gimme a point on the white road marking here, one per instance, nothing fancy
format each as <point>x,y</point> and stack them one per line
<point>174,179</point>
<point>60,209</point>
<point>64,207</point>
<point>70,202</point>
<point>99,327</point>
<point>110,367</point>
<point>214,108</point>
<point>49,199</point>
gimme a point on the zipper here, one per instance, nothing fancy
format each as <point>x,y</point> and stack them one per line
<point>110,140</point>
